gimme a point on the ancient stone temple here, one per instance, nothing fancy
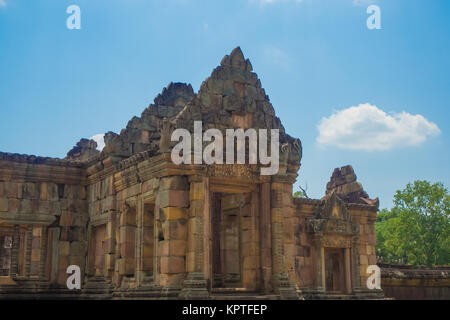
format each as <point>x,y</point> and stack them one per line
<point>140,226</point>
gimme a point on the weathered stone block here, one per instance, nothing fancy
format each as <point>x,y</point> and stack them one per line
<point>247,236</point>
<point>64,248</point>
<point>276,215</point>
<point>28,190</point>
<point>172,248</point>
<point>149,217</point>
<point>63,263</point>
<point>127,250</point>
<point>11,189</point>
<point>173,183</point>
<point>126,266</point>
<point>196,208</point>
<point>247,223</point>
<point>13,205</point>
<point>77,260</point>
<point>147,250</point>
<point>148,234</point>
<point>250,249</point>
<point>196,191</point>
<point>173,213</point>
<point>77,248</point>
<point>43,191</point>
<point>3,205</point>
<point>35,255</point>
<point>172,264</point>
<point>171,280</point>
<point>249,278</point>
<point>230,202</point>
<point>250,263</point>
<point>147,264</point>
<point>175,229</point>
<point>195,226</point>
<point>195,242</point>
<point>127,219</point>
<point>291,249</point>
<point>276,198</point>
<point>127,234</point>
<point>173,198</point>
<point>363,259</point>
<point>109,261</point>
<point>66,219</point>
<point>25,206</point>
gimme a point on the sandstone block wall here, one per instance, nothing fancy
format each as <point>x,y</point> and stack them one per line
<point>415,283</point>
<point>43,204</point>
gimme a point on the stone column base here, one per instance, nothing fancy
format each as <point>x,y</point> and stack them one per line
<point>283,287</point>
<point>194,287</point>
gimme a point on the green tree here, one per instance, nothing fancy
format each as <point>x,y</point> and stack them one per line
<point>301,193</point>
<point>417,229</point>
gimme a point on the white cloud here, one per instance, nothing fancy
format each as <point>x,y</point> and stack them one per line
<point>100,141</point>
<point>368,128</point>
<point>262,2</point>
<point>278,57</point>
<point>2,3</point>
<point>363,2</point>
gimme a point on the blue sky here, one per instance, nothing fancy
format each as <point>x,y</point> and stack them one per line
<point>315,58</point>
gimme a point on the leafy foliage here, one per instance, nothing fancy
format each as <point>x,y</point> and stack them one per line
<point>299,194</point>
<point>417,229</point>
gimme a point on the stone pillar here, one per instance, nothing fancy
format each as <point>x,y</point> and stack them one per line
<point>195,285</point>
<point>139,239</point>
<point>90,261</point>
<point>15,252</point>
<point>251,278</point>
<point>319,263</point>
<point>348,275</point>
<point>43,253</point>
<point>110,244</point>
<point>356,269</point>
<point>172,201</point>
<point>266,238</point>
<point>28,245</point>
<point>279,207</point>
<point>216,225</point>
<point>55,232</point>
<point>147,250</point>
<point>127,242</point>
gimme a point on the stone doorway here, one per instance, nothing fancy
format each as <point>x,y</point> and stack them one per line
<point>227,215</point>
<point>232,237</point>
<point>99,250</point>
<point>146,247</point>
<point>334,270</point>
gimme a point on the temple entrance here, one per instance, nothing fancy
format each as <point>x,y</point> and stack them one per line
<point>226,212</point>
<point>234,241</point>
<point>99,250</point>
<point>334,270</point>
<point>148,238</point>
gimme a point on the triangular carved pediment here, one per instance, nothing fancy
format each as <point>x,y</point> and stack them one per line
<point>333,217</point>
<point>333,208</point>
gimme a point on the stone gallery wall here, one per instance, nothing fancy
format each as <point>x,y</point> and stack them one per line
<point>415,283</point>
<point>43,205</point>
